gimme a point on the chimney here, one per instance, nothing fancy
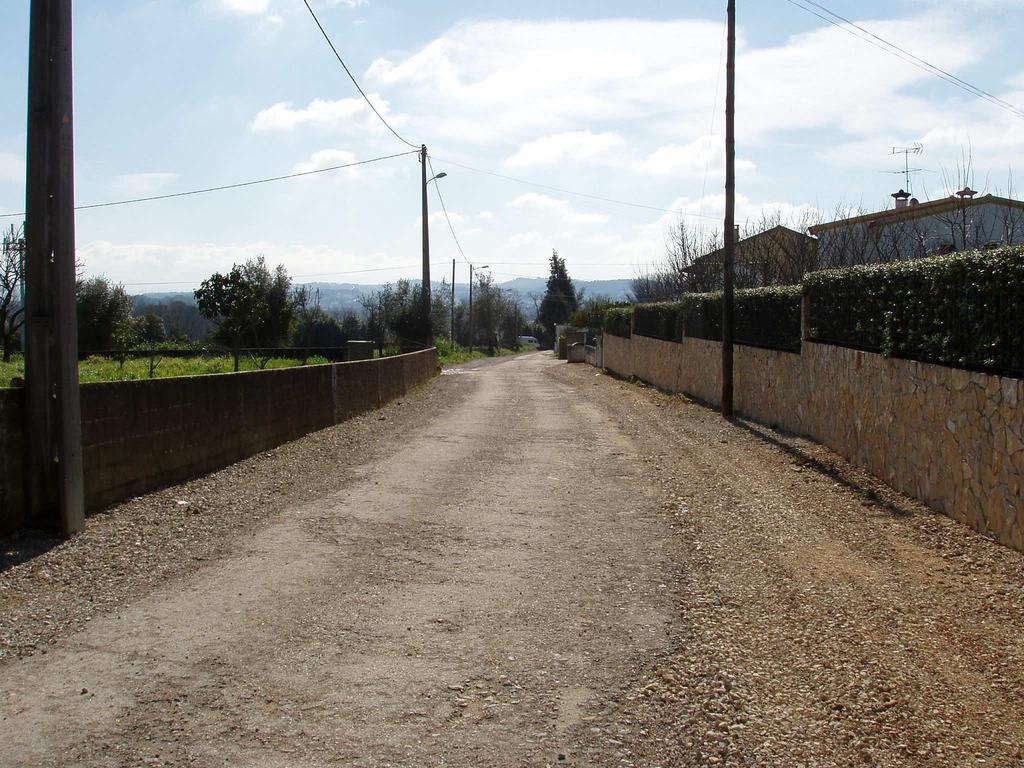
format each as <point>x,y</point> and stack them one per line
<point>901,198</point>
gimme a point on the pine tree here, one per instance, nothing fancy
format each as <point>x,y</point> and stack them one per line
<point>560,299</point>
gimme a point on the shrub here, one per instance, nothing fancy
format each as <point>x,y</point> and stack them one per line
<point>762,317</point>
<point>617,321</point>
<point>963,309</point>
<point>591,316</point>
<point>659,321</point>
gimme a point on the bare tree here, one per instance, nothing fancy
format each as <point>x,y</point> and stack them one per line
<point>12,272</point>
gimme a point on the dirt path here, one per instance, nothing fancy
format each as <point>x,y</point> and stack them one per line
<point>531,565</point>
<point>460,602</point>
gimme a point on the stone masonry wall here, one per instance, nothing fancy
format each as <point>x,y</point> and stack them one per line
<point>952,438</point>
<point>142,435</point>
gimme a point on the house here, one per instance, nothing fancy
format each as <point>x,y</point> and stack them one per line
<point>912,230</point>
<point>776,256</point>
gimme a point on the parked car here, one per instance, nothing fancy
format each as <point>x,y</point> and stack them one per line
<point>529,341</point>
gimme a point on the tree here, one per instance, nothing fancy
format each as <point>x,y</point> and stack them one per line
<point>236,305</point>
<point>314,327</point>
<point>249,302</point>
<point>560,299</point>
<point>12,266</point>
<point>104,315</point>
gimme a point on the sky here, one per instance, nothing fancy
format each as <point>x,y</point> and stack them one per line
<point>610,99</point>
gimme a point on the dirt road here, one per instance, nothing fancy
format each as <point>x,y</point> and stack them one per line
<point>530,565</point>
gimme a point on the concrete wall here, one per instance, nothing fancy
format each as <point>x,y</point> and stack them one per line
<point>142,435</point>
<point>952,438</point>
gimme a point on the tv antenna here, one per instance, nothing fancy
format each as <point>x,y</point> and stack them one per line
<point>914,149</point>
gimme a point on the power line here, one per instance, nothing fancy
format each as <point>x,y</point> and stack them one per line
<point>440,197</point>
<point>239,185</point>
<point>352,77</point>
<point>901,53</point>
<point>714,111</point>
<point>578,194</point>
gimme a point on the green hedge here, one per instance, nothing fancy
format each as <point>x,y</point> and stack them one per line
<point>592,317</point>
<point>659,321</point>
<point>964,309</point>
<point>617,321</point>
<point>762,317</point>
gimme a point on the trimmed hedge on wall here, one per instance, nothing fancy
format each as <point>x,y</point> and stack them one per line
<point>763,317</point>
<point>659,321</point>
<point>617,321</point>
<point>964,309</point>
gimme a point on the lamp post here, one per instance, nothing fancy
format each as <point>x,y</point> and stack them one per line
<point>485,266</point>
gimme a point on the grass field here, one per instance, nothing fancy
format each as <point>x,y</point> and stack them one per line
<point>96,368</point>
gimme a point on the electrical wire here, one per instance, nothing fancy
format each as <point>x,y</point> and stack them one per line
<point>440,197</point>
<point>352,77</point>
<point>714,112</point>
<point>578,194</point>
<point>882,44</point>
<point>239,185</point>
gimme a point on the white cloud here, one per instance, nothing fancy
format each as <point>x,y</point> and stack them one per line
<point>266,8</point>
<point>341,114</point>
<point>703,155</point>
<point>499,80</point>
<point>12,168</point>
<point>325,158</point>
<point>245,7</point>
<point>569,146</point>
<point>143,183</point>
<point>485,216</point>
<point>562,208</point>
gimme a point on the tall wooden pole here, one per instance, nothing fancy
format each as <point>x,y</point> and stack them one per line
<point>730,211</point>
<point>470,309</point>
<point>53,413</point>
<point>453,301</point>
<point>427,330</point>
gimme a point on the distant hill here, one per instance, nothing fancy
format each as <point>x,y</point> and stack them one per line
<point>344,297</point>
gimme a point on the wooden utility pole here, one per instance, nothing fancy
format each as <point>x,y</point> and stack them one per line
<point>453,301</point>
<point>53,413</point>
<point>428,331</point>
<point>471,309</point>
<point>730,210</point>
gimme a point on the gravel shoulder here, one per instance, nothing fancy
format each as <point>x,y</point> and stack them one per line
<point>824,619</point>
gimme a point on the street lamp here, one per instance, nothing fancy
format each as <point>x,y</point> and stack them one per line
<point>485,266</point>
<point>425,280</point>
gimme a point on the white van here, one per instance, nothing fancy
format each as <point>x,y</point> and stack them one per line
<point>529,341</point>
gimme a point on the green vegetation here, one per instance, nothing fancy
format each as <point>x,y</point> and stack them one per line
<point>560,299</point>
<point>964,309</point>
<point>590,316</point>
<point>659,321</point>
<point>617,321</point>
<point>763,317</point>
<point>95,368</point>
<point>450,354</point>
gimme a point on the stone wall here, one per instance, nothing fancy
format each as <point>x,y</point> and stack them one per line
<point>952,438</point>
<point>142,435</point>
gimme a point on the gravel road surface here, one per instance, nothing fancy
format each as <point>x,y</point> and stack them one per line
<point>524,563</point>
